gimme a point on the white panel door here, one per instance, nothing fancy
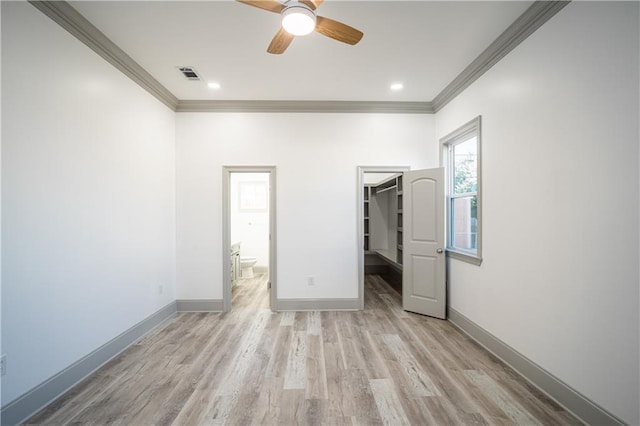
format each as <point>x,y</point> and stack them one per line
<point>423,271</point>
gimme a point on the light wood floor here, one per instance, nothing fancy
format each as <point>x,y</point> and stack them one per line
<point>250,366</point>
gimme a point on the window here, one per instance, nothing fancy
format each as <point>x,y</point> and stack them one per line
<point>461,159</point>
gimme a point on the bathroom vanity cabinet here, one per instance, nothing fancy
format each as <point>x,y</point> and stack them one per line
<point>235,263</point>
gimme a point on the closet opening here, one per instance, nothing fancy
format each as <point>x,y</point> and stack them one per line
<point>381,223</point>
<point>402,236</point>
<point>249,238</point>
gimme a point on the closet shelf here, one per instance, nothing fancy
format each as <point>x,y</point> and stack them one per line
<point>389,257</point>
<point>389,188</point>
<point>391,180</point>
<point>387,184</point>
<point>384,225</point>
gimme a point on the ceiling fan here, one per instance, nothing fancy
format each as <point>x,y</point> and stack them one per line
<point>299,18</point>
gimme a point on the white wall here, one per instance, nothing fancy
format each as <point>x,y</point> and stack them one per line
<point>88,184</point>
<point>316,156</point>
<point>559,281</point>
<point>250,228</point>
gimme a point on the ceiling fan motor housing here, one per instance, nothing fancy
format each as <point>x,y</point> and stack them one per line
<point>298,19</point>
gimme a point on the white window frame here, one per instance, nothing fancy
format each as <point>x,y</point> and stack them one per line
<point>462,134</point>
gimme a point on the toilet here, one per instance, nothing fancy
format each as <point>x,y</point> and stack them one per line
<point>246,266</point>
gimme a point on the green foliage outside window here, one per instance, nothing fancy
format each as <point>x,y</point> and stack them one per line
<point>466,179</point>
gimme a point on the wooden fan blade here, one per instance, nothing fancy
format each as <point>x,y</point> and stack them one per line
<point>313,4</point>
<point>280,42</point>
<point>270,5</point>
<point>338,31</point>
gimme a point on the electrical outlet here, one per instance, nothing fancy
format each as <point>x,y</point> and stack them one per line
<point>160,289</point>
<point>311,281</point>
<point>3,365</point>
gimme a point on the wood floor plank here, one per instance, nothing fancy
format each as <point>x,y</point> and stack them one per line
<point>450,389</point>
<point>287,318</point>
<point>340,404</point>
<point>314,323</point>
<point>393,305</point>
<point>248,405</point>
<point>545,413</point>
<point>296,374</point>
<point>300,321</point>
<point>227,392</point>
<point>362,403</point>
<point>486,406</point>
<point>213,373</point>
<point>421,384</point>
<point>278,363</point>
<point>316,375</point>
<point>292,407</point>
<point>267,406</point>
<point>252,366</point>
<point>389,407</point>
<point>77,400</point>
<point>511,408</point>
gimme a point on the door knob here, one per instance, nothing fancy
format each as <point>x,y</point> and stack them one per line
<point>439,250</point>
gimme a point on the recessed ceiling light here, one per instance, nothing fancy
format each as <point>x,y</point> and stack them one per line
<point>396,86</point>
<point>213,85</point>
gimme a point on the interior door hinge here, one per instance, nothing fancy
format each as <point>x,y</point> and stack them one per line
<point>269,284</point>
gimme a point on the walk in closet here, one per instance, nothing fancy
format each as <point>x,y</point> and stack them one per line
<point>383,229</point>
<point>404,235</point>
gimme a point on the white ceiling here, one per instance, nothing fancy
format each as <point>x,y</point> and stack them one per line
<point>423,44</point>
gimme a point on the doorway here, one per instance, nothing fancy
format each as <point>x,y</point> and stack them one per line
<point>401,226</point>
<point>249,237</point>
<point>368,176</point>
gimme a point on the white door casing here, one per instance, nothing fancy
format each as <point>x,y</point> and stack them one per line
<point>423,275</point>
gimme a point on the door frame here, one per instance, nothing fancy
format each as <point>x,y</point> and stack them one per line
<point>360,219</point>
<point>226,231</point>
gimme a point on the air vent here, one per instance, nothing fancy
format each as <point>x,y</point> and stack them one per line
<point>189,73</point>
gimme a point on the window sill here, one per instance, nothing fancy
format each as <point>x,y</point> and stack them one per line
<point>465,257</point>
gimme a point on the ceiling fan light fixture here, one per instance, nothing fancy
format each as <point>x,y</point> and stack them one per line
<point>298,20</point>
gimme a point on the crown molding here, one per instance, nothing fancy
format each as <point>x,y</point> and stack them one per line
<point>71,20</point>
<point>306,106</point>
<point>67,17</point>
<point>526,24</point>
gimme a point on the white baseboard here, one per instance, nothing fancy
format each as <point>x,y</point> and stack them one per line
<point>199,305</point>
<point>317,305</point>
<point>25,406</point>
<point>582,407</point>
